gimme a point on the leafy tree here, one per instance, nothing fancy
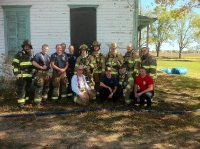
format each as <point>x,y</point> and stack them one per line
<point>184,32</point>
<point>161,31</point>
<point>196,25</point>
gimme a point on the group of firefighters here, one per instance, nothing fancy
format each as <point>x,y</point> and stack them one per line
<point>27,66</point>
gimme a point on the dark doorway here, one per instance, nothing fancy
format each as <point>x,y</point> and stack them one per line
<point>82,26</point>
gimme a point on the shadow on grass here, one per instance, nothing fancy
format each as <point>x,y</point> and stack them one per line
<point>102,129</point>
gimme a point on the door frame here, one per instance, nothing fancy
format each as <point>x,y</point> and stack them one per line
<point>15,8</point>
<point>71,6</point>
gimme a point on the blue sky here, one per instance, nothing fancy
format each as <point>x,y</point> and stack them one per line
<point>152,4</point>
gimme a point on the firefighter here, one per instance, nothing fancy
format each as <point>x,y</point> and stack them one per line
<point>132,61</point>
<point>99,65</point>
<point>126,83</point>
<point>23,71</point>
<point>70,70</point>
<point>41,61</point>
<point>83,92</point>
<point>59,63</point>
<point>149,62</point>
<point>87,61</point>
<point>114,59</point>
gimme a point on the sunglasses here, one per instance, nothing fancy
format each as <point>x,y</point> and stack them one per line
<point>144,51</point>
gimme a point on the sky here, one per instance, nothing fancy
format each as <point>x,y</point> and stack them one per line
<point>152,4</point>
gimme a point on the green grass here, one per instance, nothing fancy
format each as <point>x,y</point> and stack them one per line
<point>193,67</point>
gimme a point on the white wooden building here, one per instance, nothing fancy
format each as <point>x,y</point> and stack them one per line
<point>65,21</point>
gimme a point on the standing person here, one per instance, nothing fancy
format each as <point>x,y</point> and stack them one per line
<point>126,83</point>
<point>63,47</point>
<point>59,63</point>
<point>145,84</point>
<point>70,70</point>
<point>81,88</point>
<point>114,59</point>
<point>149,62</point>
<point>23,71</point>
<point>41,61</point>
<point>108,86</point>
<point>99,65</point>
<point>87,61</point>
<point>132,61</point>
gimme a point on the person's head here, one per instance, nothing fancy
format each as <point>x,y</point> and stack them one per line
<point>113,47</point>
<point>144,50</point>
<point>45,48</point>
<point>129,48</point>
<point>108,72</point>
<point>71,49</point>
<point>142,72</point>
<point>122,68</point>
<point>80,70</point>
<point>59,50</point>
<point>83,49</point>
<point>63,46</point>
<point>27,46</point>
<point>96,45</point>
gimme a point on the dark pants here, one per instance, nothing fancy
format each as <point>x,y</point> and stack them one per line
<point>23,89</point>
<point>104,93</point>
<point>146,96</point>
<point>70,74</point>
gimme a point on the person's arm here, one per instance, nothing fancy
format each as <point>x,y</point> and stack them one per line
<point>150,88</point>
<point>38,66</point>
<point>54,66</point>
<point>74,85</point>
<point>105,86</point>
<point>66,66</point>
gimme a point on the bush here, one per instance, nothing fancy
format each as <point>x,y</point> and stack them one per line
<point>7,79</point>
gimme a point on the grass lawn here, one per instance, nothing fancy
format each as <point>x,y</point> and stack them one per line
<point>114,129</point>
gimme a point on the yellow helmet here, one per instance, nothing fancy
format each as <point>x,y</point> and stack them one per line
<point>113,45</point>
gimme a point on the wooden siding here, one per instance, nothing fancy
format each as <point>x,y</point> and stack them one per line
<point>49,22</point>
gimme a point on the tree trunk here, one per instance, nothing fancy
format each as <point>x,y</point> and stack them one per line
<point>180,51</point>
<point>158,49</point>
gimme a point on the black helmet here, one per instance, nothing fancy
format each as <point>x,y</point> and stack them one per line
<point>28,43</point>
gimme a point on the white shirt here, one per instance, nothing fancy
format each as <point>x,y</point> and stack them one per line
<point>83,84</point>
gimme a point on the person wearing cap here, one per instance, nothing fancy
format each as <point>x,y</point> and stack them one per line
<point>114,59</point>
<point>108,86</point>
<point>70,70</point>
<point>132,61</point>
<point>126,83</point>
<point>41,61</point>
<point>59,63</point>
<point>149,62</point>
<point>87,61</point>
<point>83,93</point>
<point>99,65</point>
<point>23,71</point>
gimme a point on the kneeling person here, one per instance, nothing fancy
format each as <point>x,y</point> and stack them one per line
<point>126,83</point>
<point>80,88</point>
<point>146,85</point>
<point>108,86</point>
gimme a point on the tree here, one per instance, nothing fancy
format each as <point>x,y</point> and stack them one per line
<point>184,7</point>
<point>184,32</point>
<point>196,26</point>
<point>161,31</point>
